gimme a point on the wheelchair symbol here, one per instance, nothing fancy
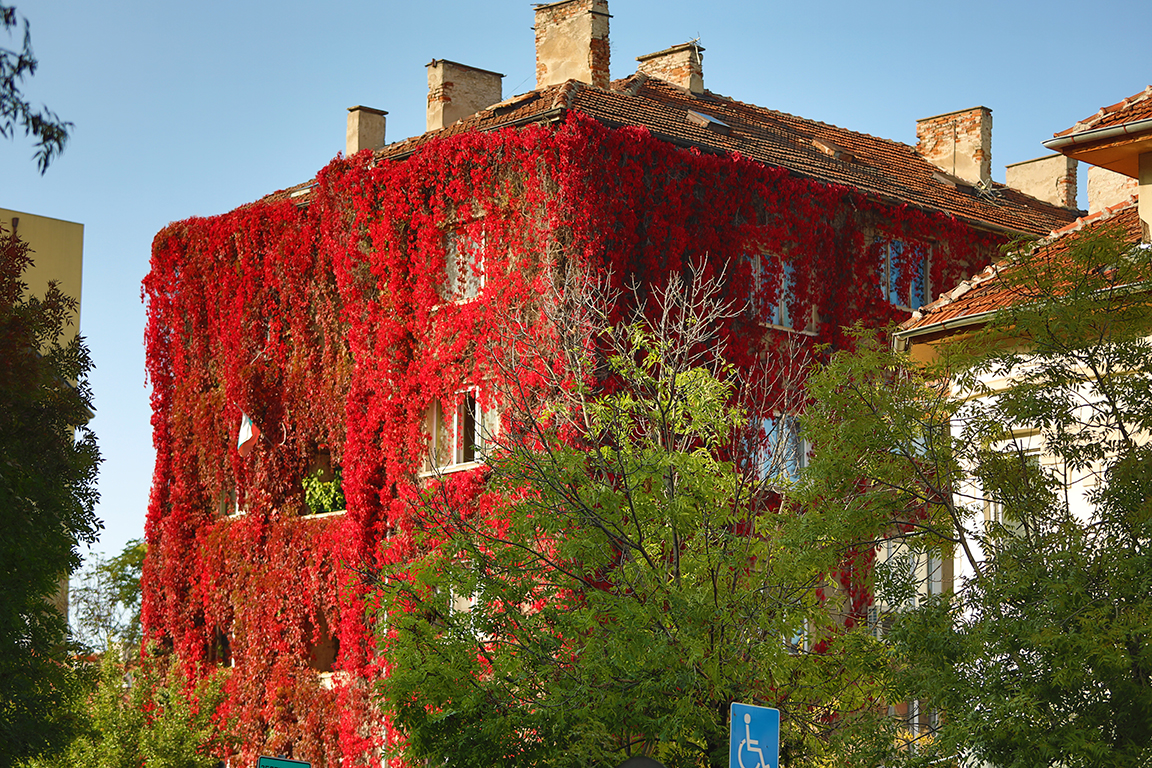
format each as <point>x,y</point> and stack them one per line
<point>753,746</point>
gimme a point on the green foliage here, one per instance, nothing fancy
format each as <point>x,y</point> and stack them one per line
<point>50,132</point>
<point>144,715</point>
<point>48,462</point>
<point>618,588</point>
<point>1043,654</point>
<point>105,602</point>
<point>323,495</point>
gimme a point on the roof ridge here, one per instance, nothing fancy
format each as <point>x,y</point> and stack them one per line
<point>1103,112</point>
<point>1092,218</point>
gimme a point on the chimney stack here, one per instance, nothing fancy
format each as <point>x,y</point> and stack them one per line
<point>1107,188</point>
<point>1051,178</point>
<point>681,65</point>
<point>365,130</point>
<point>572,42</point>
<point>457,91</point>
<point>959,143</point>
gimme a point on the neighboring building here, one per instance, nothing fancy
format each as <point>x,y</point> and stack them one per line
<point>1118,139</point>
<point>57,248</point>
<point>57,251</point>
<point>357,319</point>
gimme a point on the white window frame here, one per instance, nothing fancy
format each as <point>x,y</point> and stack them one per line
<point>464,269</point>
<point>466,450</point>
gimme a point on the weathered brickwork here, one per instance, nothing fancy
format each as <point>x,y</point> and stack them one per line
<point>959,143</point>
<point>572,43</point>
<point>682,65</point>
<point>456,91</point>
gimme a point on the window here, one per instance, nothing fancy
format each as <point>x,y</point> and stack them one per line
<point>463,266</point>
<point>459,431</point>
<point>903,274</point>
<point>994,505</point>
<point>776,313</point>
<point>782,452</point>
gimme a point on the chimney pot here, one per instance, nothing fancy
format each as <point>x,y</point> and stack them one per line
<point>959,143</point>
<point>365,129</point>
<point>572,42</point>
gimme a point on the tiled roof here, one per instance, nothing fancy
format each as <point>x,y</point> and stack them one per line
<point>985,292</point>
<point>1131,109</point>
<point>880,168</point>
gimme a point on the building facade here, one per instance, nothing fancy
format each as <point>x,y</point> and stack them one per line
<point>358,320</point>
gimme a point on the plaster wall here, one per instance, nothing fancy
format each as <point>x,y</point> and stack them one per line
<point>1107,188</point>
<point>58,254</point>
<point>572,43</point>
<point>1051,178</point>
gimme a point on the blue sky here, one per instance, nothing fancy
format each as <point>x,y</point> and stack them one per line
<point>193,108</point>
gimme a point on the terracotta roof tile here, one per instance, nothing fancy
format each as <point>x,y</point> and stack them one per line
<point>880,168</point>
<point>1135,107</point>
<point>985,292</point>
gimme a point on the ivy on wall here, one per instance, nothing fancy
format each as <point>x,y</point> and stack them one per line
<point>334,326</point>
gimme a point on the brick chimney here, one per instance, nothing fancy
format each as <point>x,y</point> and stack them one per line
<point>1051,178</point>
<point>959,143</point>
<point>682,65</point>
<point>457,91</point>
<point>365,130</point>
<point>572,42</point>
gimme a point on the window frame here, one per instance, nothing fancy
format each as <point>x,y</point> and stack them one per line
<point>892,250</point>
<point>776,314</point>
<point>462,286</point>
<point>467,408</point>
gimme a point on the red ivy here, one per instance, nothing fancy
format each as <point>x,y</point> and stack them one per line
<point>326,324</point>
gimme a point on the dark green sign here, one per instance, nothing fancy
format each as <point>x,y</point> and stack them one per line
<point>280,762</point>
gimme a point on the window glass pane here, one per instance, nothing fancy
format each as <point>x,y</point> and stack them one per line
<point>895,259</point>
<point>466,429</point>
<point>782,314</point>
<point>918,293</point>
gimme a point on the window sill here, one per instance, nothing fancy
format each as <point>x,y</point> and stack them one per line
<point>789,329</point>
<point>449,470</point>
<point>324,515</point>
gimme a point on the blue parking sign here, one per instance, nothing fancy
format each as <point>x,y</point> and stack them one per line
<point>754,741</point>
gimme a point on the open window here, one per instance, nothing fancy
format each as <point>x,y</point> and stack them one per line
<point>903,271</point>
<point>463,266</point>
<point>460,431</point>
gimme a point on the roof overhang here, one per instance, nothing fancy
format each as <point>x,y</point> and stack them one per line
<point>1116,147</point>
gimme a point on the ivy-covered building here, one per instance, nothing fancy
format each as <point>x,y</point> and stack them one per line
<point>356,320</point>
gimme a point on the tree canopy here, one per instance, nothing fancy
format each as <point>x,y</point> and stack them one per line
<point>48,462</point>
<point>50,133</point>
<point>1022,456</point>
<point>618,583</point>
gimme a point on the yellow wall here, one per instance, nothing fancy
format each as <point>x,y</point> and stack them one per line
<point>57,249</point>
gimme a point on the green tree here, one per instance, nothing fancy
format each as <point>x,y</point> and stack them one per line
<point>105,602</point>
<point>143,714</point>
<point>1039,424</point>
<point>50,132</point>
<point>48,462</point>
<point>620,587</point>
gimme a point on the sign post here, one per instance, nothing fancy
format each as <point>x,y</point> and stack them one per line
<point>754,738</point>
<point>280,762</point>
